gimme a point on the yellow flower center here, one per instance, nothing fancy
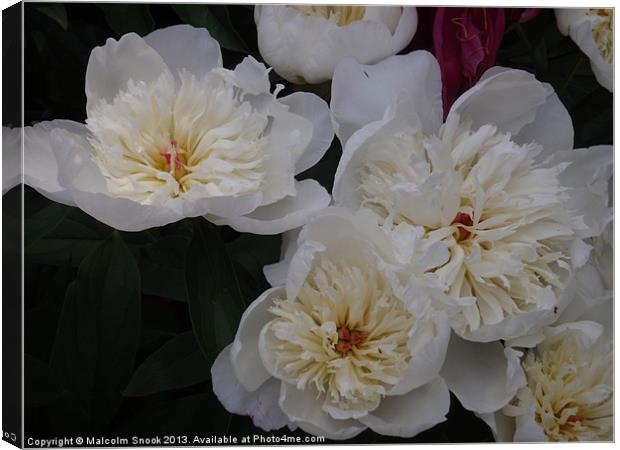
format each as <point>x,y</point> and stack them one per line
<point>603,32</point>
<point>345,334</point>
<point>194,138</point>
<point>341,15</point>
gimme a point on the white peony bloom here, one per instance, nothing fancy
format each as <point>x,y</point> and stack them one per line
<point>569,391</point>
<point>350,341</point>
<point>304,43</point>
<point>592,29</point>
<point>171,134</point>
<point>498,182</point>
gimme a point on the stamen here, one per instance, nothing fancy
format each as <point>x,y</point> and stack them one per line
<point>466,220</point>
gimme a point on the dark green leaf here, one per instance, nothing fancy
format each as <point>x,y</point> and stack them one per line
<point>215,299</point>
<point>44,221</point>
<point>255,251</point>
<point>127,18</point>
<point>177,364</point>
<point>56,12</point>
<point>99,329</point>
<point>162,266</point>
<point>216,20</point>
<point>44,317</point>
<point>73,238</point>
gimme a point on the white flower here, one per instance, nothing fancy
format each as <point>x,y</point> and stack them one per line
<point>350,341</point>
<point>498,182</point>
<point>304,43</point>
<point>171,134</point>
<point>592,29</point>
<point>569,391</point>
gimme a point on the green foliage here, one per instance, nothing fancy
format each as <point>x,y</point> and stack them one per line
<point>176,364</point>
<point>98,331</point>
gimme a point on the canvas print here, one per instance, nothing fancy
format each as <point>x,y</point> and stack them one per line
<point>307,224</point>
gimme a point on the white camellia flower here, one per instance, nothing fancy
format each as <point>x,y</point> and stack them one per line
<point>350,341</point>
<point>304,43</point>
<point>498,182</point>
<point>592,29</point>
<point>171,134</point>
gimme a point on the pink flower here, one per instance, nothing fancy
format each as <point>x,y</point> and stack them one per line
<point>465,42</point>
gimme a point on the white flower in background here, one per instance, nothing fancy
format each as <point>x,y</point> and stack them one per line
<point>171,134</point>
<point>498,182</point>
<point>592,29</point>
<point>350,341</point>
<point>304,43</point>
<point>569,390</point>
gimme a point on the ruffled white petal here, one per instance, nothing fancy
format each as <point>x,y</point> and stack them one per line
<point>111,66</point>
<point>428,346</point>
<point>244,353</point>
<point>485,103</point>
<point>552,127</point>
<point>276,273</point>
<point>183,47</point>
<point>410,414</point>
<point>41,144</point>
<point>414,78</point>
<point>313,108</point>
<point>588,177</point>
<point>484,377</point>
<point>286,214</point>
<point>565,17</point>
<point>303,408</point>
<point>261,405</point>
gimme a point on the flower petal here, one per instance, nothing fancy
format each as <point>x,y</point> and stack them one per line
<point>565,17</point>
<point>276,273</point>
<point>581,33</point>
<point>313,108</point>
<point>111,66</point>
<point>428,347</point>
<point>502,426</point>
<point>483,377</point>
<point>261,405</point>
<point>413,78</point>
<point>41,169</point>
<point>485,103</point>
<point>552,128</point>
<point>186,47</point>
<point>588,177</point>
<point>410,414</point>
<point>290,212</point>
<point>304,409</point>
<point>244,353</point>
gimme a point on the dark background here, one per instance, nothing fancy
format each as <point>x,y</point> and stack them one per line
<point>119,337</point>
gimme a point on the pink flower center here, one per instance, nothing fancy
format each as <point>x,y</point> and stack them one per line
<point>466,220</point>
<point>348,339</point>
